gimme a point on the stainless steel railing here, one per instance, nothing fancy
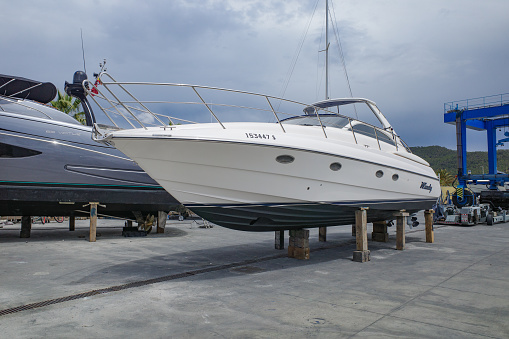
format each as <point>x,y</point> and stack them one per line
<point>128,107</point>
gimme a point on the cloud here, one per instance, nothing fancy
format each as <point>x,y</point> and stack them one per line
<point>409,57</point>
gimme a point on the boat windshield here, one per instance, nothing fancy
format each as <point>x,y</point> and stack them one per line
<point>33,109</point>
<point>329,120</point>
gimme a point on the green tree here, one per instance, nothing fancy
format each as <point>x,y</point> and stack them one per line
<point>446,178</point>
<point>70,106</point>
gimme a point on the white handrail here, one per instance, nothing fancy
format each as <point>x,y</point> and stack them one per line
<point>127,106</point>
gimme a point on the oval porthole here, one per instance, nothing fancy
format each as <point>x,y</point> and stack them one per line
<point>335,166</point>
<point>395,177</point>
<point>379,174</point>
<point>285,159</point>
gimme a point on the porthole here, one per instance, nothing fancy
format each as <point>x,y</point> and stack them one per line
<point>395,177</point>
<point>379,174</point>
<point>285,159</point>
<point>335,166</point>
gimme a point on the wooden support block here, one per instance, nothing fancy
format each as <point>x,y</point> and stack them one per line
<point>362,253</point>
<point>290,251</point>
<point>428,219</point>
<point>298,244</point>
<point>93,221</point>
<point>301,253</point>
<point>353,230</point>
<point>72,223</point>
<point>161,221</point>
<point>322,234</point>
<point>380,233</point>
<point>361,237</point>
<point>26,227</point>
<point>361,256</point>
<point>299,233</point>
<point>279,241</point>
<point>400,229</point>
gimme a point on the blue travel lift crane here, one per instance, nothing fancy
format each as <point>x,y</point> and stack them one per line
<point>484,113</point>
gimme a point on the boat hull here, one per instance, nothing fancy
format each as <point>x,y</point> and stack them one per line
<point>261,218</point>
<point>53,168</point>
<point>241,185</point>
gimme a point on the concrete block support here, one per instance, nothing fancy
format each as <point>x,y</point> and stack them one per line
<point>322,234</point>
<point>279,240</point>
<point>380,233</point>
<point>362,253</point>
<point>400,229</point>
<point>428,220</point>
<point>298,246</point>
<point>26,227</point>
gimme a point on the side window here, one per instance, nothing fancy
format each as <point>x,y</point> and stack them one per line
<point>11,151</point>
<point>384,137</point>
<point>364,130</point>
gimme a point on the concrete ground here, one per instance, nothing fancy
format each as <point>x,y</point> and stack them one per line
<point>193,282</point>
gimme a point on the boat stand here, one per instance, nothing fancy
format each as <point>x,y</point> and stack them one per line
<point>93,220</point>
<point>428,219</point>
<point>362,253</point>
<point>72,223</point>
<point>298,246</point>
<point>400,229</point>
<point>161,221</point>
<point>322,234</point>
<point>26,227</point>
<point>279,241</point>
<point>380,233</point>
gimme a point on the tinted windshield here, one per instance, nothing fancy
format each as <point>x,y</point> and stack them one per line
<point>329,120</point>
<point>33,109</point>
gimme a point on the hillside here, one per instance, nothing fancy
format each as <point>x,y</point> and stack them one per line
<point>443,158</point>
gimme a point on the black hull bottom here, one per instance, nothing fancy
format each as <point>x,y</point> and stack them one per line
<point>31,200</point>
<point>262,218</point>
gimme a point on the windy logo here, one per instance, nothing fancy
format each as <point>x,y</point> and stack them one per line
<point>426,186</point>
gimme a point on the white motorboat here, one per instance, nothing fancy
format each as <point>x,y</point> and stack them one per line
<point>314,168</point>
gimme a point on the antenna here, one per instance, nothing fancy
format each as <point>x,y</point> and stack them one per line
<point>326,49</point>
<point>83,51</point>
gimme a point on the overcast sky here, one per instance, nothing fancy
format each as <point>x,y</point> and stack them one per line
<point>408,56</point>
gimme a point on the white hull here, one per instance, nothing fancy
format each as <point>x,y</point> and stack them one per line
<point>229,169</point>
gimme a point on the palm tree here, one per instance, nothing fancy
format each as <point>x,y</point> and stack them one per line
<point>446,178</point>
<point>66,104</point>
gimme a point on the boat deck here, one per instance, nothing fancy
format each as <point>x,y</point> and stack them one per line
<point>216,282</point>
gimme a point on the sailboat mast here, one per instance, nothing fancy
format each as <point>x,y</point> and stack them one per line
<point>326,49</point>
